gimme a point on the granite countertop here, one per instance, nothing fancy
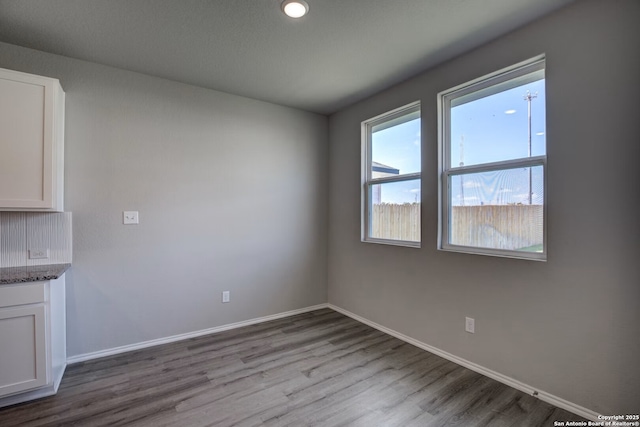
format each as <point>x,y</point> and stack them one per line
<point>31,273</point>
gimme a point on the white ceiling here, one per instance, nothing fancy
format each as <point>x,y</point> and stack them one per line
<point>341,52</point>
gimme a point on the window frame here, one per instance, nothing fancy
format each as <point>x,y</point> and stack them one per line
<point>368,182</point>
<point>481,87</point>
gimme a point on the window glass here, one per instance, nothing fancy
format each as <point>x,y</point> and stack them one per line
<point>495,128</point>
<point>391,177</point>
<point>396,150</point>
<point>493,164</point>
<point>395,210</point>
<point>492,210</point>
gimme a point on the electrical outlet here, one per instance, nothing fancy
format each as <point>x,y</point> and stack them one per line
<point>226,297</point>
<point>470,325</point>
<point>38,253</point>
<point>130,217</point>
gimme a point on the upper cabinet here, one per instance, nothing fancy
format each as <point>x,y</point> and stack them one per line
<point>31,143</point>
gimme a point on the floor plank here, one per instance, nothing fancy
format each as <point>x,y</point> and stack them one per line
<point>314,369</point>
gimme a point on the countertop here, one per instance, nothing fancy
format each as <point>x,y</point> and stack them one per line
<point>32,273</point>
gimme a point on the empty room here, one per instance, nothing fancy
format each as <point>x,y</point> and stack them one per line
<point>319,213</point>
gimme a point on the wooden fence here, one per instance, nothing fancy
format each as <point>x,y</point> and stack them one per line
<point>398,222</point>
<point>488,226</point>
<point>497,226</point>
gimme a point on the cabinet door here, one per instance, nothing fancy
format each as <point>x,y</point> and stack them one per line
<point>26,141</point>
<point>23,354</point>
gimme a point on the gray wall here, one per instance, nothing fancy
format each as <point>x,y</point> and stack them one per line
<point>568,326</point>
<point>231,192</point>
<point>232,196</point>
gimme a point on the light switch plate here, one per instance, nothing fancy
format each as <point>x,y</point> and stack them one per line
<point>130,217</point>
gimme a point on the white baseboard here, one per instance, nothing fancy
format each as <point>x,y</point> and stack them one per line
<point>145,344</point>
<point>518,385</point>
<point>27,396</point>
<point>542,395</point>
<point>39,393</point>
<point>58,377</point>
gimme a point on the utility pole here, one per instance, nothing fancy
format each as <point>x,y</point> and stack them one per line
<point>530,97</point>
<point>462,164</point>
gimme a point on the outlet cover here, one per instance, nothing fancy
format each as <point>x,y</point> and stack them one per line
<point>130,217</point>
<point>470,325</point>
<point>38,253</point>
<point>226,297</point>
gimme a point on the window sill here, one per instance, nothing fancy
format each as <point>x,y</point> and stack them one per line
<point>405,243</point>
<point>527,256</point>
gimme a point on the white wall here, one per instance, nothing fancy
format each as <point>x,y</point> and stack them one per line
<point>568,326</point>
<point>231,193</point>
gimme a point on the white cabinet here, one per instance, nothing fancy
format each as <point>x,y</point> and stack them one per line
<point>32,340</point>
<point>31,142</point>
<point>23,358</point>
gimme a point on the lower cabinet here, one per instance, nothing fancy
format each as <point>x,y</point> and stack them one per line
<point>23,355</point>
<point>32,340</point>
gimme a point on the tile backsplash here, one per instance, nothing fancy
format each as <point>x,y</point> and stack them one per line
<point>22,231</point>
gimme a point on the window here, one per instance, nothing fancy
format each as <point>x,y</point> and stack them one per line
<point>494,165</point>
<point>391,177</point>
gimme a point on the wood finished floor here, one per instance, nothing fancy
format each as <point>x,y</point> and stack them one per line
<point>314,369</point>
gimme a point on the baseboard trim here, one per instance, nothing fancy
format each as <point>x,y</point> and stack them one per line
<point>39,393</point>
<point>518,385</point>
<point>151,343</point>
<point>58,377</point>
<point>27,396</point>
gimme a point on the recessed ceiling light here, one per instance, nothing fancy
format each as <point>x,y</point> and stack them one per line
<point>510,111</point>
<point>295,8</point>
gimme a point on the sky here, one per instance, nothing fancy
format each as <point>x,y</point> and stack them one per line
<point>491,129</point>
<point>399,147</point>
